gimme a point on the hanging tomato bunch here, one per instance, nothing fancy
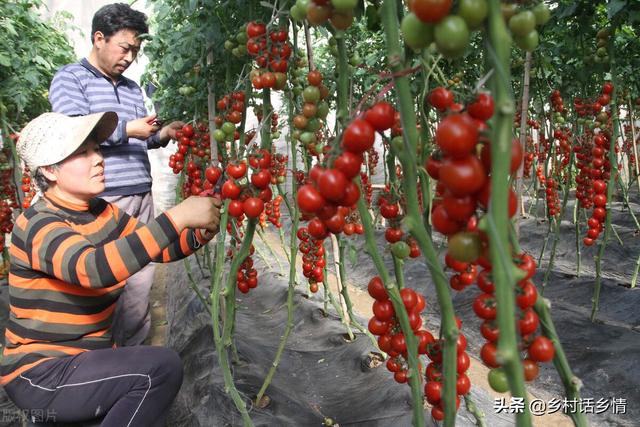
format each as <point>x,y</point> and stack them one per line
<point>271,51</point>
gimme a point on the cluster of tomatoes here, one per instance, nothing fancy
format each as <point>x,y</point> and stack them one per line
<point>247,276</point>
<point>538,348</point>
<point>386,326</point>
<point>272,212</point>
<point>237,43</point>
<point>317,12</point>
<point>553,200</point>
<point>27,187</point>
<point>8,196</point>
<point>193,150</point>
<point>463,181</point>
<point>248,196</point>
<point>331,193</point>
<point>278,168</point>
<point>599,173</point>
<point>313,257</point>
<point>308,123</point>
<point>390,209</point>
<point>271,51</point>
<point>601,55</point>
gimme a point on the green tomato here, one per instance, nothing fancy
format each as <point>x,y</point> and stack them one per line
<point>297,13</point>
<point>228,45</point>
<point>397,145</point>
<point>528,42</point>
<point>228,128</point>
<point>344,5</point>
<point>242,38</point>
<point>219,135</point>
<point>311,94</point>
<point>498,380</point>
<point>236,52</point>
<point>275,135</point>
<point>542,13</point>
<point>473,12</point>
<point>400,249</point>
<point>465,246</point>
<point>242,49</point>
<point>313,125</point>
<point>308,138</point>
<point>323,110</point>
<point>522,23</point>
<point>416,33</point>
<point>355,59</point>
<point>452,36</point>
<point>603,33</point>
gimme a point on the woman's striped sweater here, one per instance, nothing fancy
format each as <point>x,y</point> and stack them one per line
<point>68,265</point>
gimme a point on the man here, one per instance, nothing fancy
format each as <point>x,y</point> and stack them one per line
<point>70,257</point>
<point>96,84</point>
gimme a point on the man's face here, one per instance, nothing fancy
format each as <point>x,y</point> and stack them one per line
<point>118,52</point>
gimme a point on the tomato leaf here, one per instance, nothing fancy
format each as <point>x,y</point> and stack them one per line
<point>353,254</point>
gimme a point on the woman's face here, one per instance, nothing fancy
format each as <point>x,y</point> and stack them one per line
<point>79,177</point>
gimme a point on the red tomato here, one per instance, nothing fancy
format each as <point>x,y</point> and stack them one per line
<point>235,208</point>
<point>489,330</point>
<point>383,310</point>
<point>393,235</point>
<point>457,136</point>
<point>378,327</point>
<point>440,98</point>
<point>531,369</point>
<point>541,349</point>
<point>317,229</point>
<point>348,163</point>
<point>442,223</point>
<point>237,171</point>
<point>431,10</point>
<point>331,185</point>
<point>351,194</point>
<point>463,176</point>
<point>261,179</point>
<point>482,107</point>
<point>358,137</point>
<point>230,190</point>
<point>488,355</point>
<point>253,207</point>
<point>463,385</point>
<point>433,392</point>
<point>526,295</point>
<point>381,116</point>
<point>309,199</point>
<point>485,306</point>
<point>459,208</point>
<point>528,322</point>
<point>377,290</point>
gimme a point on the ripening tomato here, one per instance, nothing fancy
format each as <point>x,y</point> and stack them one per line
<point>253,207</point>
<point>526,294</point>
<point>377,290</point>
<point>456,136</point>
<point>463,176</point>
<point>482,107</point>
<point>331,184</point>
<point>309,199</point>
<point>237,171</point>
<point>440,98</point>
<point>431,10</point>
<point>378,327</point>
<point>230,190</point>
<point>314,78</point>
<point>358,137</point>
<point>381,116</point>
<point>317,229</point>
<point>531,369</point>
<point>212,174</point>
<point>541,349</point>
<point>488,355</point>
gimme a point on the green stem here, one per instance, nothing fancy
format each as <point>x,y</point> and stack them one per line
<point>572,384</point>
<point>475,411</point>
<point>414,223</point>
<point>634,278</point>
<point>219,338</point>
<point>503,269</point>
<point>556,239</point>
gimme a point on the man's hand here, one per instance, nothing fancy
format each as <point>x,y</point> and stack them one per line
<point>142,128</point>
<point>169,131</point>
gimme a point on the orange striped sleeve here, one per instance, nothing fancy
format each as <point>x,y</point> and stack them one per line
<point>81,270</point>
<point>35,347</point>
<point>116,263</point>
<point>60,252</point>
<point>149,242</point>
<point>47,316</point>
<point>40,238</point>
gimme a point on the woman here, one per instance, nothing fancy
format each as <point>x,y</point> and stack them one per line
<point>70,256</point>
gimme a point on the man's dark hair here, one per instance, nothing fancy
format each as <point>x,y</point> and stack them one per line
<point>114,17</point>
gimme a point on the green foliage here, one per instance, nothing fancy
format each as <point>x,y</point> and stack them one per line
<point>187,54</point>
<point>31,51</point>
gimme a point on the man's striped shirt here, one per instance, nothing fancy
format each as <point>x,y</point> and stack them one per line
<point>68,265</point>
<point>80,89</point>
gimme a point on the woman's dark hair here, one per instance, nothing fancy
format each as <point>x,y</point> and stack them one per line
<point>114,17</point>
